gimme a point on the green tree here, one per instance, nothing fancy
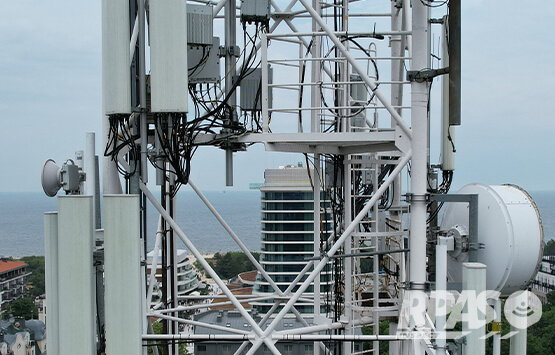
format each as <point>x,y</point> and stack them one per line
<point>22,308</point>
<point>36,279</point>
<point>231,264</point>
<point>384,345</point>
<point>549,248</point>
<point>158,328</point>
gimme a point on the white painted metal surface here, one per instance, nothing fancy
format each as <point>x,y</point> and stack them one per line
<point>116,75</point>
<point>510,228</point>
<point>51,280</point>
<point>122,274</point>
<point>474,318</point>
<point>168,55</point>
<point>76,276</point>
<point>518,304</point>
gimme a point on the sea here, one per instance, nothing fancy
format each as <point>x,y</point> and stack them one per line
<point>22,220</point>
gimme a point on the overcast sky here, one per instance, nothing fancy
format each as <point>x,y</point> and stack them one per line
<point>50,95</point>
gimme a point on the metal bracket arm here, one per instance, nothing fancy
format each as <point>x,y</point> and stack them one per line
<point>423,75</point>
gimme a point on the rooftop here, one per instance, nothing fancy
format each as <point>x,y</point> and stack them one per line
<point>248,277</point>
<point>9,265</point>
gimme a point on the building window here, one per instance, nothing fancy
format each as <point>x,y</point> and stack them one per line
<point>309,349</point>
<point>266,351</point>
<point>226,350</point>
<point>288,349</point>
<point>201,350</point>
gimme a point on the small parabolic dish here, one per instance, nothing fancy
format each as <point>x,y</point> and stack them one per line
<point>510,230</point>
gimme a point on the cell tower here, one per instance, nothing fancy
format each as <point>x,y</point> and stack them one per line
<point>346,83</point>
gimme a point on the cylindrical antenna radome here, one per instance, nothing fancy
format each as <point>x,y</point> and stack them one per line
<point>510,236</point>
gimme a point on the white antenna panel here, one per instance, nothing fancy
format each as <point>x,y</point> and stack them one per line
<point>116,74</point>
<point>168,55</point>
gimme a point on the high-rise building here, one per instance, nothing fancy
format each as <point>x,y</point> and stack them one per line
<point>288,233</point>
<point>13,279</point>
<point>187,279</point>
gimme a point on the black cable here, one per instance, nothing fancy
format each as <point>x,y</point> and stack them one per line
<point>429,3</point>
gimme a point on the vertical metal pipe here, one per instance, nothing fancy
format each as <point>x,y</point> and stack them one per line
<point>264,93</point>
<point>473,228</point>
<point>441,296</point>
<point>142,91</point>
<point>79,156</point>
<point>230,43</point>
<point>229,167</point>
<point>375,258</point>
<point>497,336</point>
<point>164,263</point>
<point>173,263</point>
<point>519,324</point>
<point>317,231</point>
<point>474,324</point>
<point>90,170</point>
<point>419,168</point>
<point>316,71</point>
<point>51,278</point>
<point>348,262</point>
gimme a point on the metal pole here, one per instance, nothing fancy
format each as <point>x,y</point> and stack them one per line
<point>264,92</point>
<point>230,69</point>
<point>274,337</point>
<point>316,70</point>
<point>474,324</point>
<point>497,335</point>
<point>316,244</point>
<point>348,263</point>
<point>441,296</point>
<point>90,165</point>
<point>518,340</point>
<point>419,167</point>
<point>142,91</point>
<point>154,264</point>
<point>90,170</point>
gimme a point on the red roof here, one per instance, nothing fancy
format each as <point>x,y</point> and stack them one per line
<point>249,276</point>
<point>9,265</point>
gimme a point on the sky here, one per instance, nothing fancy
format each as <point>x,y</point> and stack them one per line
<point>51,95</point>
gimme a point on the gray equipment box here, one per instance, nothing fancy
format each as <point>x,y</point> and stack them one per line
<point>255,11</point>
<point>199,25</point>
<point>251,90</point>
<point>204,63</point>
<point>359,96</point>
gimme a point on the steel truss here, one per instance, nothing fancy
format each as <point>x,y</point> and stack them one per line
<point>368,142</point>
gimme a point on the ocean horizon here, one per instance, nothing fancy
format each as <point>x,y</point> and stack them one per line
<point>22,220</point>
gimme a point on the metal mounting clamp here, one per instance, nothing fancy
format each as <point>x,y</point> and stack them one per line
<point>416,198</point>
